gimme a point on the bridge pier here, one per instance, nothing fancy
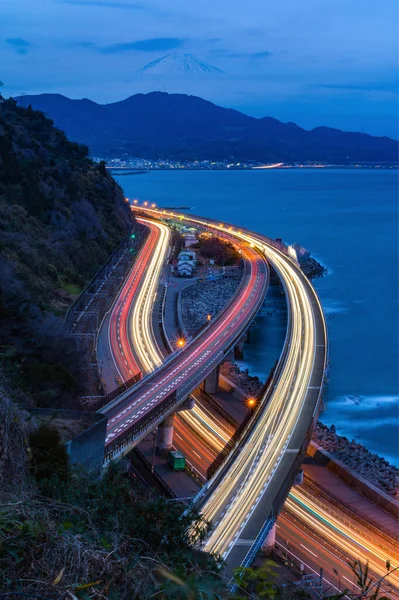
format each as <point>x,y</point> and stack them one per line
<point>187,404</point>
<point>228,357</point>
<point>211,383</point>
<point>164,439</point>
<point>268,544</point>
<point>239,347</point>
<point>298,478</point>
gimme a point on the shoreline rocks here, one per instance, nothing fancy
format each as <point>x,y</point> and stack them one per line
<point>374,468</point>
<point>208,298</point>
<point>312,268</point>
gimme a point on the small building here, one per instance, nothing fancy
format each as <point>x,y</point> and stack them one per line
<point>301,252</point>
<point>188,255</point>
<point>185,269</point>
<point>189,240</point>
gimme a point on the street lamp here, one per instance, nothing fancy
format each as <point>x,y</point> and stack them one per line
<point>180,343</point>
<point>209,317</point>
<point>251,403</point>
<point>145,203</point>
<point>153,205</point>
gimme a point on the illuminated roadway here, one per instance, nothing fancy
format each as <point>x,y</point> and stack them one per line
<point>257,474</point>
<point>351,538</point>
<point>184,370</point>
<point>134,305</point>
<point>311,529</point>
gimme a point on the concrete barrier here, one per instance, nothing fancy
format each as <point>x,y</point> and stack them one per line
<point>353,479</point>
<point>87,447</point>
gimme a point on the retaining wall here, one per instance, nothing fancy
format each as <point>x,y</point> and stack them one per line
<point>353,479</point>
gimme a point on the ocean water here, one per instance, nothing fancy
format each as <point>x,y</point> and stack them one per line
<point>348,220</point>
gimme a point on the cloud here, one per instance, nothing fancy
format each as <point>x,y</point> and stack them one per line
<point>357,87</point>
<point>150,45</point>
<point>264,54</point>
<point>18,45</point>
<point>231,54</point>
<point>105,4</point>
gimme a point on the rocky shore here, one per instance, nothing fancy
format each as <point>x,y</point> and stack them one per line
<point>372,467</point>
<point>208,298</point>
<point>312,268</point>
<point>242,379</point>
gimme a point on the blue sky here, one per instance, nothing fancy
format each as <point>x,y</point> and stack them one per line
<point>311,62</point>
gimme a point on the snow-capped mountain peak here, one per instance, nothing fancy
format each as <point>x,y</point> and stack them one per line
<point>178,63</point>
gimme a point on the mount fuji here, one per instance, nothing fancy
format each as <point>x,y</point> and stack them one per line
<point>178,63</point>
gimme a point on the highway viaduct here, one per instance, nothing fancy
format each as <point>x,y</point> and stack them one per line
<point>306,337</point>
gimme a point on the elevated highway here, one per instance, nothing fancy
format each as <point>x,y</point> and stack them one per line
<point>245,495</point>
<point>140,409</point>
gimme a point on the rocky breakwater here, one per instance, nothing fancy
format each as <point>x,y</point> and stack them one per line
<point>251,386</point>
<point>312,268</point>
<point>372,467</point>
<point>208,298</point>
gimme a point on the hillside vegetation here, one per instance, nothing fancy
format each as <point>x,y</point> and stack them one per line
<point>60,217</point>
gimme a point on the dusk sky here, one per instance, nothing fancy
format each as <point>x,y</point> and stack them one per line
<point>311,62</point>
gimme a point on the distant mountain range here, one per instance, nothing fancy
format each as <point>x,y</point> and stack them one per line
<point>177,126</point>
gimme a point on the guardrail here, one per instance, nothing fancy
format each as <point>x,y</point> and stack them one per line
<point>102,401</point>
<point>142,425</point>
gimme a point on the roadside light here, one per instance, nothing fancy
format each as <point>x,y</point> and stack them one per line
<point>135,201</point>
<point>153,205</point>
<point>127,199</point>
<point>145,203</point>
<point>251,402</point>
<point>133,236</point>
<point>209,317</point>
<point>181,343</point>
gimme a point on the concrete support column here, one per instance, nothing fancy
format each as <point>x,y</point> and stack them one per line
<point>239,347</point>
<point>229,357</point>
<point>211,383</point>
<point>298,478</point>
<point>187,404</point>
<point>165,434</point>
<point>268,544</point>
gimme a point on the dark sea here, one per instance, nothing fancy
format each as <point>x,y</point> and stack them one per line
<point>348,220</point>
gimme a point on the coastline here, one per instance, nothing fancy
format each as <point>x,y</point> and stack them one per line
<point>371,466</point>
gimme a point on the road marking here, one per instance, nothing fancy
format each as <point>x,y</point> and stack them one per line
<point>309,550</point>
<point>351,582</point>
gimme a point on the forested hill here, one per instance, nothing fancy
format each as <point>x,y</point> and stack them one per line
<point>178,126</point>
<point>61,215</point>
